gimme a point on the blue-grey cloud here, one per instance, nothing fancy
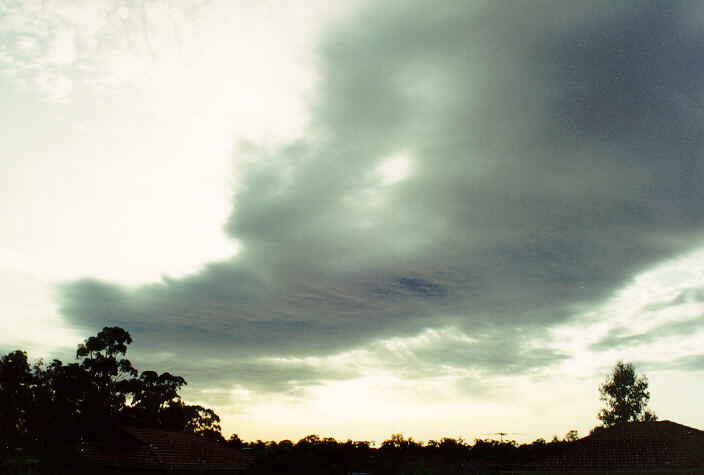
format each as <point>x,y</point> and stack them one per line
<point>691,295</point>
<point>554,152</point>
<point>622,337</point>
<point>688,363</point>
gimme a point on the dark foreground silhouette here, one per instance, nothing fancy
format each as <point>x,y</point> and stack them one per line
<point>54,417</point>
<point>397,455</point>
<point>45,409</point>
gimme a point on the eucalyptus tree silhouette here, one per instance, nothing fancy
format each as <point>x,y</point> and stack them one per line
<point>17,385</point>
<point>50,406</point>
<point>626,396</point>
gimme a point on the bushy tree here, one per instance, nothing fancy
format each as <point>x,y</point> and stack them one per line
<point>51,406</point>
<point>17,386</point>
<point>109,372</point>
<point>152,395</point>
<point>626,396</point>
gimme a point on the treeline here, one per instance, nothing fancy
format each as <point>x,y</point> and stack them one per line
<point>45,408</point>
<point>397,455</point>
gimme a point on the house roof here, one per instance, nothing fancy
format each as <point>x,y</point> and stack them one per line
<point>638,446</point>
<point>150,447</point>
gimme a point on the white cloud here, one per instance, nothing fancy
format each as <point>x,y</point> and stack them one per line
<point>161,94</point>
<point>55,87</point>
<point>30,319</point>
<point>395,168</point>
<point>636,323</point>
<point>27,45</point>
<point>62,48</point>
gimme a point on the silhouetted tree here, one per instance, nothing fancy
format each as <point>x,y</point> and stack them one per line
<point>202,421</point>
<point>626,396</point>
<point>397,455</point>
<point>17,384</point>
<point>70,399</point>
<point>102,356</point>
<point>152,395</point>
<point>48,407</point>
<point>235,442</point>
<point>104,397</point>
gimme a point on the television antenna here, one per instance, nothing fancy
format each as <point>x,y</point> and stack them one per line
<point>500,434</point>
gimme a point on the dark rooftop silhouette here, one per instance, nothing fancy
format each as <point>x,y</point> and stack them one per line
<point>632,446</point>
<point>138,447</point>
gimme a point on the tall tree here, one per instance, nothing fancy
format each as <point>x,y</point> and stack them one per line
<point>102,357</point>
<point>17,384</point>
<point>626,395</point>
<point>50,406</point>
<point>152,394</point>
<point>193,419</point>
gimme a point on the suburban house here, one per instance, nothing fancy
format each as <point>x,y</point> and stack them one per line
<point>138,450</point>
<point>634,447</point>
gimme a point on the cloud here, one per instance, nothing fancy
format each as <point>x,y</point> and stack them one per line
<point>693,363</point>
<point>45,41</point>
<point>550,153</point>
<point>62,50</point>
<point>55,87</point>
<point>629,337</point>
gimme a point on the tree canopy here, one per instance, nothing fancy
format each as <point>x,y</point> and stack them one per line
<point>50,406</point>
<point>626,396</point>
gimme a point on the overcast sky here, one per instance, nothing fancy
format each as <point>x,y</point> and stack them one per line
<point>359,218</point>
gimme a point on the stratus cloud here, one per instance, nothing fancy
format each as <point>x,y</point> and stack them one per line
<point>552,151</point>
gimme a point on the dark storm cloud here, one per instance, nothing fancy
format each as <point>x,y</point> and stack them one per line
<point>554,149</point>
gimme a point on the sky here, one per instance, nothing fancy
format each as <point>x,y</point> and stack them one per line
<point>360,218</point>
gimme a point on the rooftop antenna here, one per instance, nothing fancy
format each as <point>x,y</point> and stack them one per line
<point>500,434</point>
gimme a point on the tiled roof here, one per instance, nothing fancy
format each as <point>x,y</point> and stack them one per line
<point>638,446</point>
<point>149,447</point>
<point>114,454</point>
